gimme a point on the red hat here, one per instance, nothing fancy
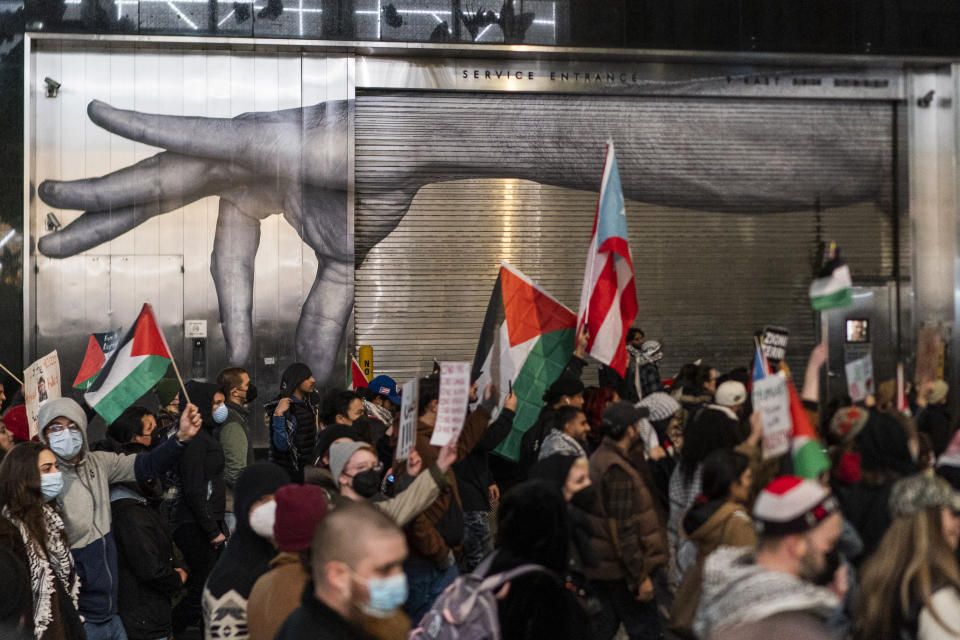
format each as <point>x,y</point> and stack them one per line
<point>790,504</point>
<point>15,419</point>
<point>300,508</point>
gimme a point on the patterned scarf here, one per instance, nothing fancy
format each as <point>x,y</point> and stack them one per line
<point>46,566</point>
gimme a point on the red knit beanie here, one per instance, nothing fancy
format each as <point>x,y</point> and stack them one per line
<point>300,508</point>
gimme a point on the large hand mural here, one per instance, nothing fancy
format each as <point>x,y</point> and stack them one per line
<point>292,162</point>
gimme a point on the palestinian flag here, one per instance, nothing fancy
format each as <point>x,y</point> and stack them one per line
<point>99,346</point>
<point>833,287</point>
<point>138,363</point>
<point>527,339</point>
<point>809,458</point>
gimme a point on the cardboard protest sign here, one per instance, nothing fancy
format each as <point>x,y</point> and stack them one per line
<point>407,435</point>
<point>774,342</point>
<point>860,378</point>
<point>41,382</point>
<point>772,399</point>
<point>452,406</point>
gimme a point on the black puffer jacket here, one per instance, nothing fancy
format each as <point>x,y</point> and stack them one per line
<point>145,557</point>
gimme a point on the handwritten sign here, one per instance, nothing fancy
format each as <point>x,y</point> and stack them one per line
<point>452,406</point>
<point>772,400</point>
<point>860,378</point>
<point>41,382</point>
<point>774,342</point>
<point>406,438</point>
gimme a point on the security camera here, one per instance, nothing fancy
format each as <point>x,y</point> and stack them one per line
<point>53,87</point>
<point>52,223</point>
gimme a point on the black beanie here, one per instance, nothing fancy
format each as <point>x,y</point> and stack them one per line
<point>563,386</point>
<point>553,469</point>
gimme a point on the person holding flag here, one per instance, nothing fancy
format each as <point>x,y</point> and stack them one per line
<point>608,300</point>
<point>85,501</point>
<point>135,367</point>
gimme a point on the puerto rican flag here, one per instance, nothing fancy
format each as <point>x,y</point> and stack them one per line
<point>608,300</point>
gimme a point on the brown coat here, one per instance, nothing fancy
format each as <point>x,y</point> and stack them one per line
<point>275,595</point>
<point>423,537</point>
<point>278,592</point>
<point>645,522</point>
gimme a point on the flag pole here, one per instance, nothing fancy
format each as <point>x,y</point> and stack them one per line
<point>173,360</point>
<point>10,373</point>
<point>183,387</point>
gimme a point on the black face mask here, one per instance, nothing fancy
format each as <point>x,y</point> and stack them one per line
<point>585,499</point>
<point>251,393</point>
<point>366,483</point>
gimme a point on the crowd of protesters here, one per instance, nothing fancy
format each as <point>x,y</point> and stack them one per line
<point>641,507</point>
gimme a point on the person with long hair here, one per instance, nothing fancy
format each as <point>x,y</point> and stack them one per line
<point>707,431</point>
<point>29,483</point>
<point>911,588</point>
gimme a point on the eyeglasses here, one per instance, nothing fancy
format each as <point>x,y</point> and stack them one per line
<point>57,427</point>
<point>377,467</point>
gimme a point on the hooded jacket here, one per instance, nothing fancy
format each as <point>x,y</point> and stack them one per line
<point>246,558</point>
<point>719,524</point>
<point>294,434</point>
<point>85,504</point>
<point>737,590</point>
<point>201,498</point>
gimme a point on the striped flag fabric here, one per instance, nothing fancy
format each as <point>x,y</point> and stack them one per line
<point>608,300</point>
<point>140,360</point>
<point>833,286</point>
<point>526,340</point>
<point>99,346</point>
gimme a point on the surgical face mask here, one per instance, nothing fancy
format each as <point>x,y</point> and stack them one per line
<point>66,444</point>
<point>262,519</point>
<point>366,483</point>
<point>386,594</point>
<point>220,414</point>
<point>51,484</point>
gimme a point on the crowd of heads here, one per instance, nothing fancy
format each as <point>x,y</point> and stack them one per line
<point>642,505</point>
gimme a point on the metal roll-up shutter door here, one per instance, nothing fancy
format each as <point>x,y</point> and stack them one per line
<point>706,279</point>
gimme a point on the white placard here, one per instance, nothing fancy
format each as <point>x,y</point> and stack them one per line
<point>41,382</point>
<point>772,400</point>
<point>452,407</point>
<point>860,378</point>
<point>194,328</point>
<point>408,419</point>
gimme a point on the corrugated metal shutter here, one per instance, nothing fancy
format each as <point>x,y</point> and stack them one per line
<point>705,280</point>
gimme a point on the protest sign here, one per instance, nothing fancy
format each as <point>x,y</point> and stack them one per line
<point>860,378</point>
<point>41,382</point>
<point>452,406</point>
<point>772,399</point>
<point>408,419</point>
<point>774,342</point>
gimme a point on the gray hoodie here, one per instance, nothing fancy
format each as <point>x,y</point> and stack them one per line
<point>85,503</point>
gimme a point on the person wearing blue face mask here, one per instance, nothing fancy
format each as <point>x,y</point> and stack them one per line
<point>357,572</point>
<point>85,502</point>
<point>32,528</point>
<point>197,517</point>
